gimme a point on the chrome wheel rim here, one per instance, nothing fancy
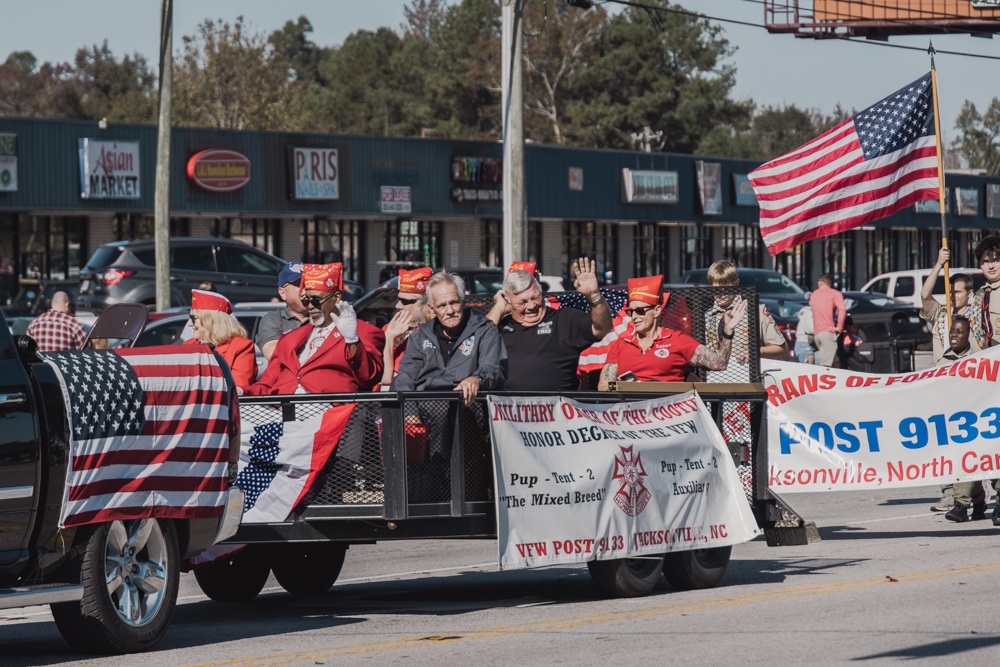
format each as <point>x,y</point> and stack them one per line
<point>135,568</point>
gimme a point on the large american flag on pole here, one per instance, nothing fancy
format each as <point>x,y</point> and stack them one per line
<point>149,433</point>
<point>868,167</point>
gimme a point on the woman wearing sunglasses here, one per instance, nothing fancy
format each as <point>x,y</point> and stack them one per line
<point>651,352</point>
<point>213,323</point>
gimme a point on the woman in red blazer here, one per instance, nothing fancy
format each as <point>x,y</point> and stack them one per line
<point>213,323</point>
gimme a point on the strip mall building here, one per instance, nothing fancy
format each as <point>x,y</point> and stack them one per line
<point>375,202</point>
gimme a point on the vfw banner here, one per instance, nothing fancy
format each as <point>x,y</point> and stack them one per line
<point>582,481</point>
<point>839,430</point>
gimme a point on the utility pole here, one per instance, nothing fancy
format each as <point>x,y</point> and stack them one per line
<point>161,206</point>
<point>515,204</point>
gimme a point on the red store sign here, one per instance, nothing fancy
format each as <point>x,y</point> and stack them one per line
<point>219,170</point>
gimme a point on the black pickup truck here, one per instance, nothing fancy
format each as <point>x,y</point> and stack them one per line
<point>112,586</point>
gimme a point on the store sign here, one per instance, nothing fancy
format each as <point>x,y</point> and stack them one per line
<point>478,180</point>
<point>8,163</point>
<point>743,191</point>
<point>575,176</point>
<point>219,170</point>
<point>396,199</point>
<point>993,200</point>
<point>316,173</point>
<point>986,4</point>
<point>650,187</point>
<point>709,177</point>
<point>109,169</point>
<point>967,201</point>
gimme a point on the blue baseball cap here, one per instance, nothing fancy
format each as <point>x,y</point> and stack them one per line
<point>290,273</point>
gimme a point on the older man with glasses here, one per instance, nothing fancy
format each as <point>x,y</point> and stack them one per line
<point>651,352</point>
<point>335,353</point>
<point>279,322</point>
<point>544,344</point>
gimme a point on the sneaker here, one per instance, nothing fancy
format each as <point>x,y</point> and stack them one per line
<point>944,504</point>
<point>996,514</point>
<point>958,513</point>
<point>978,511</point>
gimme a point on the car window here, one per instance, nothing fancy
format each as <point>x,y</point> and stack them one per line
<point>487,283</point>
<point>881,285</point>
<point>105,256</point>
<point>167,333</point>
<point>904,286</point>
<point>771,283</point>
<point>249,323</point>
<point>193,258</point>
<point>238,260</point>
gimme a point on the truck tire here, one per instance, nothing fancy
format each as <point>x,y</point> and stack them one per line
<point>308,569</point>
<point>239,577</point>
<point>626,577</point>
<point>694,570</point>
<point>130,571</point>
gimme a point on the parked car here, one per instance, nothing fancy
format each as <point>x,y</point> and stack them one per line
<point>770,284</point>
<point>125,272</point>
<point>881,317</point>
<point>34,296</point>
<point>906,285</point>
<point>167,328</point>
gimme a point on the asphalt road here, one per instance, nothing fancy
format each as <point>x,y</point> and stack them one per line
<point>889,582</point>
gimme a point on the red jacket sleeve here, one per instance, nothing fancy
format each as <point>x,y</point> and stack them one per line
<point>242,361</point>
<point>367,363</point>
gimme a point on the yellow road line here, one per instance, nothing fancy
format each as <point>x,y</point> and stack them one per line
<point>704,604</point>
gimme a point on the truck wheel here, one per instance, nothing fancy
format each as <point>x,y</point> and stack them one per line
<point>238,577</point>
<point>694,570</point>
<point>308,569</point>
<point>130,574</point>
<point>626,577</point>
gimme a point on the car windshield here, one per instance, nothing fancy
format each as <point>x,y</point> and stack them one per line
<point>771,283</point>
<point>783,309</point>
<point>874,301</point>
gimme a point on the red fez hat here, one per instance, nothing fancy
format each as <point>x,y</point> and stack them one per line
<point>645,289</point>
<point>202,300</point>
<point>323,277</point>
<point>414,281</point>
<point>523,266</point>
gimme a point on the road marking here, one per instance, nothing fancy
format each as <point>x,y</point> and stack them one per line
<point>672,608</point>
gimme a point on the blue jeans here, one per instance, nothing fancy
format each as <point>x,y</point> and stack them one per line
<point>803,350</point>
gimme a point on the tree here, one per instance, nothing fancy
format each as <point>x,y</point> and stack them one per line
<point>423,17</point>
<point>292,44</point>
<point>229,78</point>
<point>41,91</point>
<point>119,91</point>
<point>772,131</point>
<point>979,140</point>
<point>659,69</point>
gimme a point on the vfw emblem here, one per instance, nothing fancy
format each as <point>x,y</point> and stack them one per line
<point>633,495</point>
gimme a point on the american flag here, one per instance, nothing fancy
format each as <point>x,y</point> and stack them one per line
<point>149,433</point>
<point>280,461</point>
<point>592,359</point>
<point>866,168</point>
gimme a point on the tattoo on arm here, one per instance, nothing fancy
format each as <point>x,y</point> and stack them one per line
<point>609,374</point>
<point>705,357</point>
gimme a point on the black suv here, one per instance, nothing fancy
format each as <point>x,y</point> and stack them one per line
<point>125,272</point>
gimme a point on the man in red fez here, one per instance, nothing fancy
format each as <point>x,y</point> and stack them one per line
<point>654,353</point>
<point>411,312</point>
<point>337,353</point>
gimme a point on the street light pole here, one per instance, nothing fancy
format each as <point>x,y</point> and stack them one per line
<point>161,205</point>
<point>515,206</point>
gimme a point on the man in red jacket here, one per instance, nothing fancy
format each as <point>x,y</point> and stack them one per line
<point>336,354</point>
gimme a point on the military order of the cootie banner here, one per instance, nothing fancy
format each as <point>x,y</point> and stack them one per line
<point>839,430</point>
<point>578,481</point>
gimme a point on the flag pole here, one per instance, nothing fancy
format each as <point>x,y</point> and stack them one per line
<point>941,196</point>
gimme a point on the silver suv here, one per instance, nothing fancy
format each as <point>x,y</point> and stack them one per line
<point>125,272</point>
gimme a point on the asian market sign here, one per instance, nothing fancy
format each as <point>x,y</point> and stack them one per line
<point>8,163</point>
<point>396,199</point>
<point>582,481</point>
<point>109,169</point>
<point>315,173</point>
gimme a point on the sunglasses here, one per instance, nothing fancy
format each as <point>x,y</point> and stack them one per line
<point>193,318</point>
<point>408,302</point>
<point>315,301</point>
<point>641,312</point>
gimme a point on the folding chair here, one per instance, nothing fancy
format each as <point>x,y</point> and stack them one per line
<point>123,322</point>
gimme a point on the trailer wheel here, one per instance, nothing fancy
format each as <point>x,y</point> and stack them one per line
<point>130,574</point>
<point>308,569</point>
<point>694,570</point>
<point>238,577</point>
<point>626,577</point>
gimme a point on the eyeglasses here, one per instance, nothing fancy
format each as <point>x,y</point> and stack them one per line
<point>316,301</point>
<point>193,318</point>
<point>641,312</point>
<point>408,302</point>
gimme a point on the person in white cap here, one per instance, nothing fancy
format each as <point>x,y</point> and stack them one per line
<point>213,323</point>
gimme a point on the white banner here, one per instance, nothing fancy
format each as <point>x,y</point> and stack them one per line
<point>839,430</point>
<point>109,169</point>
<point>581,481</point>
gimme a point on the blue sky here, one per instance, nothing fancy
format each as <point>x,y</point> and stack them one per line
<point>772,69</point>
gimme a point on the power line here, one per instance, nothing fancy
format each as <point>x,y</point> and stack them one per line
<point>684,12</point>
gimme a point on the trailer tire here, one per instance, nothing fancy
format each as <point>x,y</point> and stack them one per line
<point>698,569</point>
<point>308,569</point>
<point>239,577</point>
<point>626,577</point>
<point>130,571</point>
